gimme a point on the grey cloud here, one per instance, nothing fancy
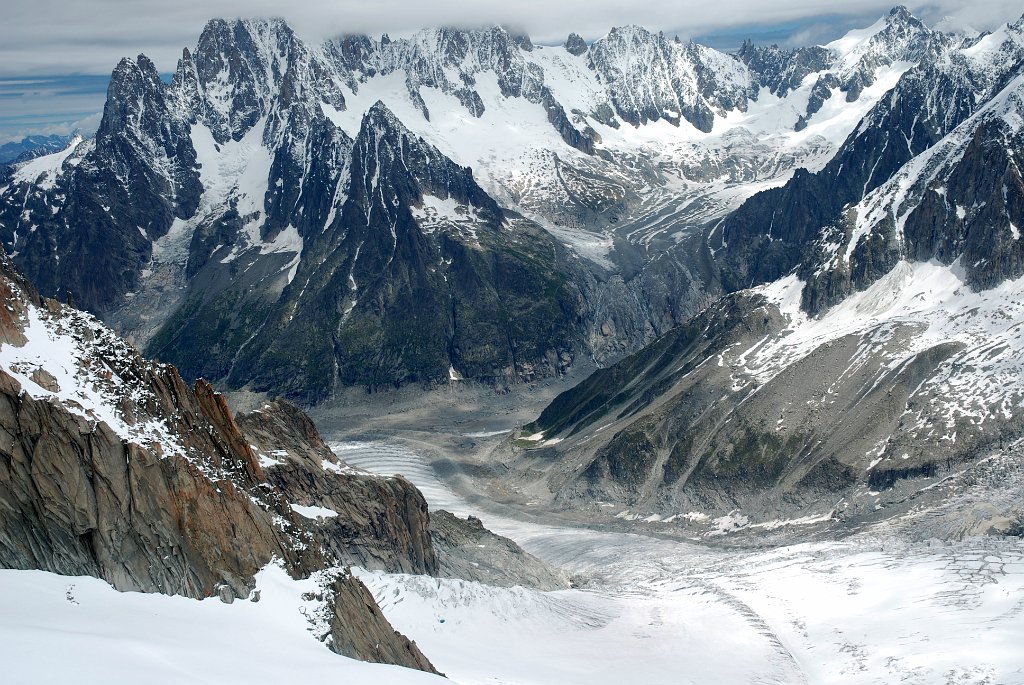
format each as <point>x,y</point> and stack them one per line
<point>89,36</point>
<point>44,38</point>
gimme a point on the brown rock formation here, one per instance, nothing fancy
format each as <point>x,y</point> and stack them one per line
<point>359,627</point>
<point>382,522</point>
<point>76,498</point>
<point>130,475</point>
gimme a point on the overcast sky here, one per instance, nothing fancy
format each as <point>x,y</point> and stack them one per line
<point>55,54</point>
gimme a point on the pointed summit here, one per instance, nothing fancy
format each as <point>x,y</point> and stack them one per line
<point>575,45</point>
<point>387,152</point>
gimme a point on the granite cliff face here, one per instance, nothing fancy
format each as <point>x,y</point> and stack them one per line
<point>112,466</point>
<point>369,635</point>
<point>375,522</point>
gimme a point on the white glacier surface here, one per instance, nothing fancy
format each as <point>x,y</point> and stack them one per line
<point>649,611</point>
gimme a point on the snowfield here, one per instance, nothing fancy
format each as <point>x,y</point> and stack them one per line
<point>981,381</point>
<point>652,611</point>
<point>648,611</point>
<point>57,629</point>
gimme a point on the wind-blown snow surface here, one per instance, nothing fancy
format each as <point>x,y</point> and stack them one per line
<point>655,611</point>
<point>59,629</point>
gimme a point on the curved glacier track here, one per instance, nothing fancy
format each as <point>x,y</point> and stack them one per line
<point>653,611</point>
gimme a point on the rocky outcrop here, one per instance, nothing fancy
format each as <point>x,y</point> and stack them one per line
<point>358,629</point>
<point>380,523</point>
<point>84,497</point>
<point>79,501</point>
<point>575,45</point>
<point>112,466</point>
<point>467,550</point>
<point>371,521</point>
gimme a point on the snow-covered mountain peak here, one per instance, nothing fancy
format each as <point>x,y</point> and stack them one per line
<point>393,165</point>
<point>261,136</point>
<point>650,77</point>
<point>897,38</point>
<point>992,54</point>
<point>239,68</point>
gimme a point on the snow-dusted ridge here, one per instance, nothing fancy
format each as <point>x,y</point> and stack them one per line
<point>73,359</point>
<point>482,97</point>
<point>981,382</point>
<point>231,187</point>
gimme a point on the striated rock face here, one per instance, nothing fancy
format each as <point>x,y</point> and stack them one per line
<point>746,408</point>
<point>377,522</point>
<point>380,523</point>
<point>80,501</point>
<point>112,466</point>
<point>357,626</point>
<point>468,550</point>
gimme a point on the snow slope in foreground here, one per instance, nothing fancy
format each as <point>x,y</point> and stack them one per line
<point>58,629</point>
<point>654,612</point>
